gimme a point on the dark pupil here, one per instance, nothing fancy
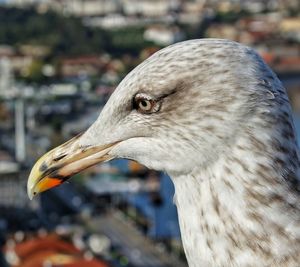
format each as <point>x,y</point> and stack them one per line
<point>144,103</point>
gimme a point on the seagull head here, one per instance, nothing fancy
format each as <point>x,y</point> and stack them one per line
<point>182,107</point>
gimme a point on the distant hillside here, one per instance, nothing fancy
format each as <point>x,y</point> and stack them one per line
<point>65,35</point>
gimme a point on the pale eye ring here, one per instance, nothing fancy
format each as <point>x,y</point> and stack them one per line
<point>145,104</point>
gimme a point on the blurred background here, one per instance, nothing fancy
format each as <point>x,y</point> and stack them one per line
<point>59,62</point>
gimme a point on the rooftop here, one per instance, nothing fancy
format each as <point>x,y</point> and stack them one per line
<point>49,250</point>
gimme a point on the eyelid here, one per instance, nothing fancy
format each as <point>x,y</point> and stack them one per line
<point>168,94</point>
<point>158,98</point>
<point>144,96</point>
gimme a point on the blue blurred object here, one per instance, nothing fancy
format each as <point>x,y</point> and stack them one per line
<point>163,217</point>
<point>297,125</point>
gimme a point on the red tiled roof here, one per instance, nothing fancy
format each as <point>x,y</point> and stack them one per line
<point>290,61</point>
<point>85,263</point>
<point>36,251</point>
<point>50,242</point>
<point>268,57</point>
<point>96,60</point>
<point>37,259</point>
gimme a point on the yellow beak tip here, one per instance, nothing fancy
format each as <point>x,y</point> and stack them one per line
<point>32,182</point>
<point>30,195</point>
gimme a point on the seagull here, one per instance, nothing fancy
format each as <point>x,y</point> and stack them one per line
<point>213,116</point>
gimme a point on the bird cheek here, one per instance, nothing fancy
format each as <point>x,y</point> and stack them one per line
<point>133,148</point>
<point>123,150</point>
<point>139,149</point>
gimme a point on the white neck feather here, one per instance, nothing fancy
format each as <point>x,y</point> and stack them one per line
<point>237,213</point>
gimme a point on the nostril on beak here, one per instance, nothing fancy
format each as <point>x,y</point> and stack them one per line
<point>85,148</point>
<point>59,157</point>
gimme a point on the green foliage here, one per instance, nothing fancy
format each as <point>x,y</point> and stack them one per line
<point>127,40</point>
<point>231,16</point>
<point>65,35</point>
<point>35,71</point>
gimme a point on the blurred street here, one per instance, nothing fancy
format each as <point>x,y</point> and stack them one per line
<point>139,250</point>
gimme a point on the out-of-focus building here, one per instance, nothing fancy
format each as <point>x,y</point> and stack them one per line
<point>24,3</point>
<point>290,27</point>
<point>36,51</point>
<point>85,7</point>
<point>18,62</point>
<point>21,64</point>
<point>6,75</point>
<point>148,8</point>
<point>87,65</point>
<point>12,186</point>
<point>226,31</point>
<point>163,35</point>
<point>6,68</point>
<point>282,58</point>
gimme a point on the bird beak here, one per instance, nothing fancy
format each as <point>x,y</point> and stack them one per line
<point>56,166</point>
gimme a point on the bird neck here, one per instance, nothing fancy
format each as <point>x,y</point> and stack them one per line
<point>236,211</point>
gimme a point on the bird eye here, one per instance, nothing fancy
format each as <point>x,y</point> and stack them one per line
<point>145,104</point>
